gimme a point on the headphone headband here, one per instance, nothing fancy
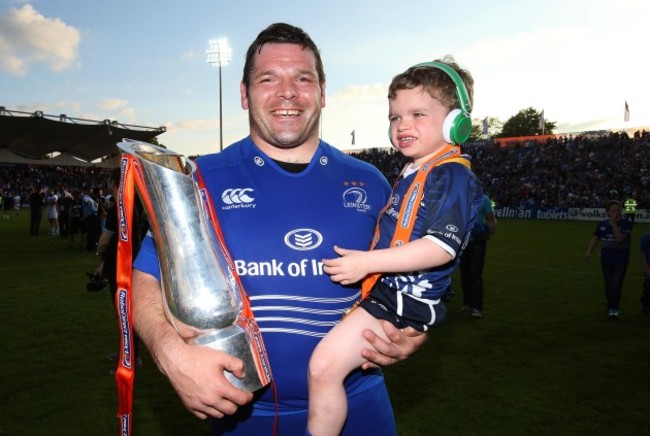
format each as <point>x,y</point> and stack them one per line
<point>457,126</point>
<point>461,89</point>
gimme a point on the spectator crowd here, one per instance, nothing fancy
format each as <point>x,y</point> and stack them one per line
<point>72,197</point>
<point>582,171</point>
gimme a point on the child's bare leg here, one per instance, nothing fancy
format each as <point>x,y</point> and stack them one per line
<point>337,354</point>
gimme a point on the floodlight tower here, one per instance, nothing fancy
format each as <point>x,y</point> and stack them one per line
<point>219,55</point>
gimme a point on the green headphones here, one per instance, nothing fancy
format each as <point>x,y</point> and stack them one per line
<point>458,125</point>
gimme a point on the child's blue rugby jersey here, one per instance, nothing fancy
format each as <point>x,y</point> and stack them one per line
<point>452,196</point>
<point>278,226</point>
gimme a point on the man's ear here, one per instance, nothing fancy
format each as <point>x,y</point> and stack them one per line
<point>243,93</point>
<point>322,95</point>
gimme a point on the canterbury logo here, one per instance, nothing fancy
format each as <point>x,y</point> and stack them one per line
<point>303,239</point>
<point>237,196</point>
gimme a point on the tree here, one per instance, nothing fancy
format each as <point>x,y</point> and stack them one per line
<point>155,141</point>
<point>526,123</point>
<point>493,126</point>
<point>477,131</point>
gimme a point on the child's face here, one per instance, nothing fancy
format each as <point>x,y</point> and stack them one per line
<point>416,121</point>
<point>614,212</point>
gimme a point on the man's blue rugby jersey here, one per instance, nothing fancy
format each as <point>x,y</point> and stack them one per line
<point>278,226</point>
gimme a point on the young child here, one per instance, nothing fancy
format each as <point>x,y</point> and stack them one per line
<point>419,236</point>
<point>614,235</point>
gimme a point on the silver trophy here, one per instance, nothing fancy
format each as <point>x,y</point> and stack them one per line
<point>201,295</point>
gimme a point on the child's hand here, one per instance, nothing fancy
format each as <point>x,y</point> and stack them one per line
<point>347,269</point>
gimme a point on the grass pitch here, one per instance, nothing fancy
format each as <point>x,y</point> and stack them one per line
<point>544,360</point>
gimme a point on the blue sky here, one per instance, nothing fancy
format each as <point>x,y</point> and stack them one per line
<point>143,62</point>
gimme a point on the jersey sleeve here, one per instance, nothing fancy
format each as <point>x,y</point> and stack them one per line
<point>147,259</point>
<point>451,193</point>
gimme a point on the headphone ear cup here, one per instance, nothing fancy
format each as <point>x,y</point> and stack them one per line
<point>457,127</point>
<point>448,125</point>
<point>462,129</point>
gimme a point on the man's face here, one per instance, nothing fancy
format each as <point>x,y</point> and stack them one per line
<point>285,98</point>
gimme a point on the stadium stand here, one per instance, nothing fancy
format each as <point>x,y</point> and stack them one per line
<point>580,171</point>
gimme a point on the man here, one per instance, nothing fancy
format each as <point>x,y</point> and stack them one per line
<point>107,245</point>
<point>473,259</point>
<point>65,204</point>
<point>52,210</point>
<point>90,220</point>
<point>283,182</point>
<point>17,203</point>
<point>7,204</point>
<point>77,225</point>
<point>36,202</point>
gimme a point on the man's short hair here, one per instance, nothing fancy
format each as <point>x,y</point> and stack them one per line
<point>281,33</point>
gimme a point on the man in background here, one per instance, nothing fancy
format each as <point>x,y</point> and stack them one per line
<point>36,202</point>
<point>472,260</point>
<point>108,242</point>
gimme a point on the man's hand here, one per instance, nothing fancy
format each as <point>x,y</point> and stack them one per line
<point>197,374</point>
<point>403,343</point>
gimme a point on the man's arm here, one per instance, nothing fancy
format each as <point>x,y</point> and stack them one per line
<point>195,372</point>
